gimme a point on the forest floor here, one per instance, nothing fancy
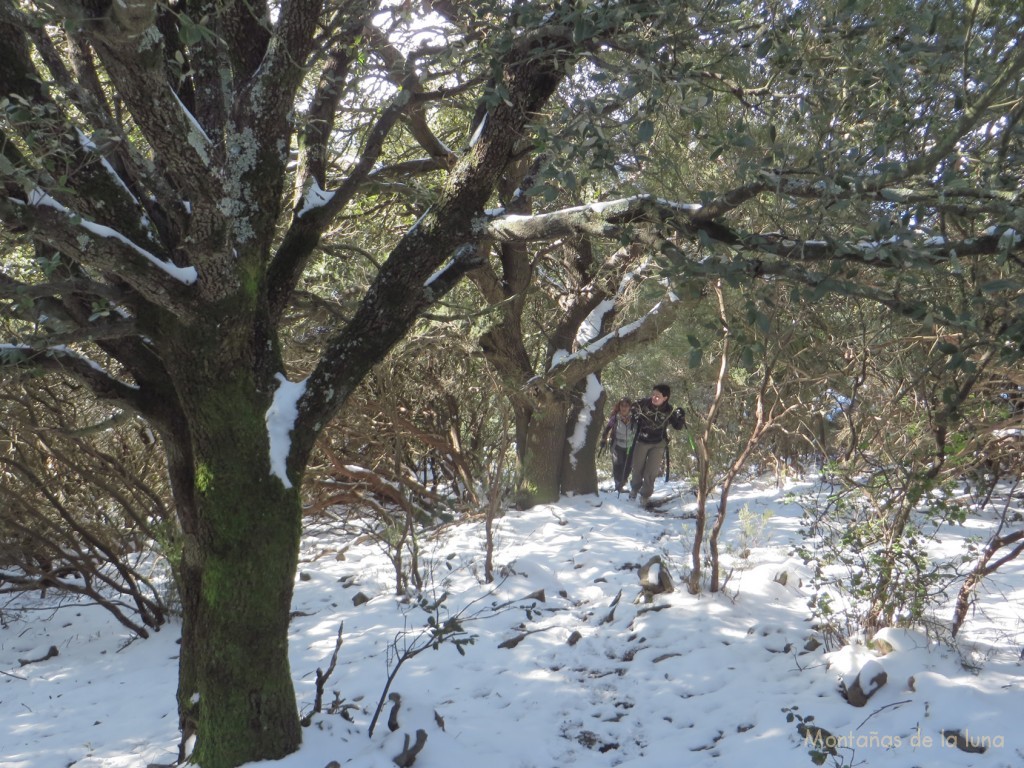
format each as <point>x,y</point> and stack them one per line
<point>565,659</point>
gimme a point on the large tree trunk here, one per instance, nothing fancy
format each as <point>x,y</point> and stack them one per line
<point>552,461</point>
<point>541,476</point>
<point>583,429</point>
<point>241,536</point>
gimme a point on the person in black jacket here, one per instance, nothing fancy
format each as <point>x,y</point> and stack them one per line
<point>652,417</point>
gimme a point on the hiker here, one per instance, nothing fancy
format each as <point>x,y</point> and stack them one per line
<point>620,430</point>
<point>652,417</point>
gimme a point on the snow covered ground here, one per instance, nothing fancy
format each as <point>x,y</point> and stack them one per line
<point>582,674</point>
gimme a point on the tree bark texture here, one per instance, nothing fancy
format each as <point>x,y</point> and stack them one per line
<point>541,476</point>
<point>579,462</point>
<point>236,573</point>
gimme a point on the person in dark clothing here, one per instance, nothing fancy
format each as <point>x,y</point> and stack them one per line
<point>652,417</point>
<point>620,431</point>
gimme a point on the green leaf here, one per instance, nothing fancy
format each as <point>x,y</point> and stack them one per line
<point>747,357</point>
<point>646,131</point>
<point>764,323</point>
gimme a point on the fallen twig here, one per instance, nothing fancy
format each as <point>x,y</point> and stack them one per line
<point>408,754</point>
<point>49,655</point>
<point>322,678</point>
<point>886,706</point>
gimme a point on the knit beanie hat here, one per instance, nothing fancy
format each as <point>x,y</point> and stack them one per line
<point>665,389</point>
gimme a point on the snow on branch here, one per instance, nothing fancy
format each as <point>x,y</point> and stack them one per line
<point>90,146</point>
<point>650,220</point>
<point>897,251</point>
<point>197,137</point>
<point>596,354</point>
<point>318,207</point>
<point>184,275</point>
<point>62,359</point>
<point>328,203</point>
<point>465,258</point>
<point>602,219</point>
<point>314,197</point>
<point>946,198</point>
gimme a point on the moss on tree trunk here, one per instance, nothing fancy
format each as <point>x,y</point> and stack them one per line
<point>237,573</point>
<point>541,475</point>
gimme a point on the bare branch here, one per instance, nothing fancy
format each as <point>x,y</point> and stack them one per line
<point>105,249</point>
<point>135,58</point>
<point>317,209</point>
<point>100,332</point>
<point>15,289</point>
<point>67,361</point>
<point>402,290</point>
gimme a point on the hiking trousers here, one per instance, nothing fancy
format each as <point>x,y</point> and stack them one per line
<point>619,471</point>
<point>647,458</point>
